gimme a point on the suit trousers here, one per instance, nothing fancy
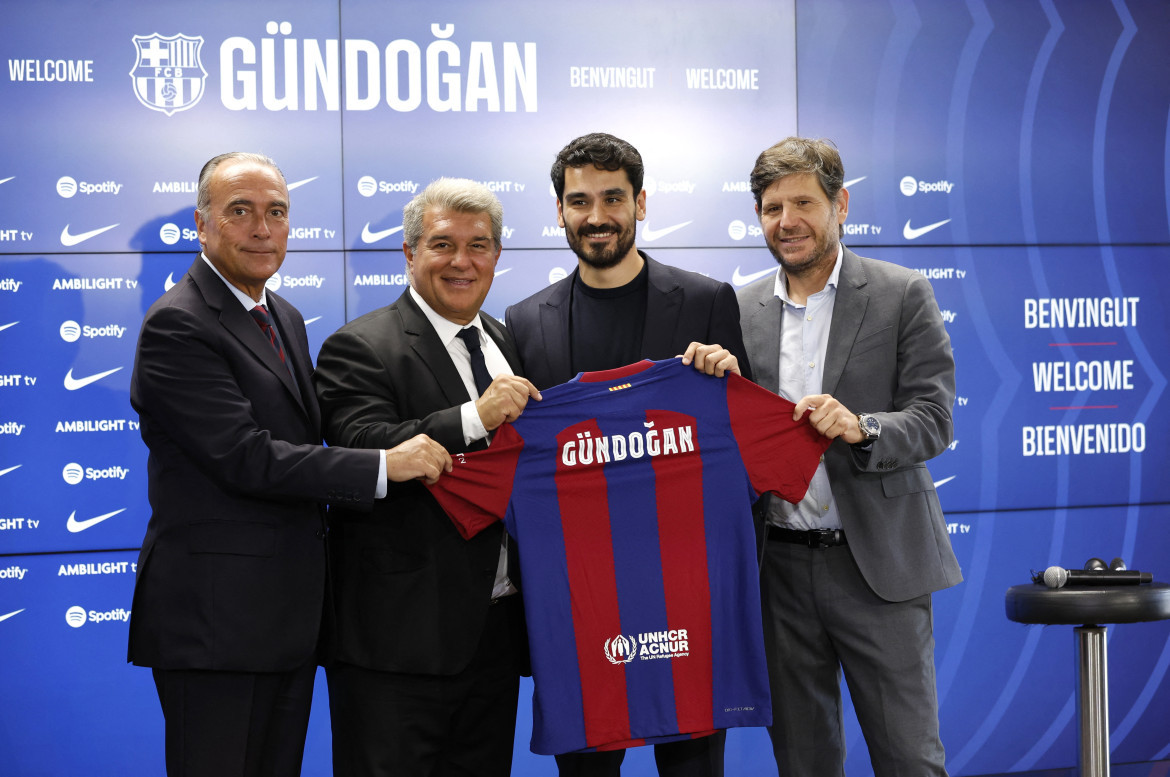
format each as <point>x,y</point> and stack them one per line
<point>820,617</point>
<point>229,724</point>
<point>387,724</point>
<point>702,757</point>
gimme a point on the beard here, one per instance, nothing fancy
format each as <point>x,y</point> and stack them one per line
<point>600,258</point>
<point>824,251</point>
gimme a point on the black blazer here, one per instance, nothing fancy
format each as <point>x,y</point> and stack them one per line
<point>231,575</point>
<point>411,594</point>
<point>681,307</point>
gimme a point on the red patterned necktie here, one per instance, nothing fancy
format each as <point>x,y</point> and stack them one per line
<point>260,313</point>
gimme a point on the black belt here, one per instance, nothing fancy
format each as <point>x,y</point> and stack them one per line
<point>813,538</point>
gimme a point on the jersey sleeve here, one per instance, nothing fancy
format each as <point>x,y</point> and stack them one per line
<point>781,455</point>
<point>476,492</point>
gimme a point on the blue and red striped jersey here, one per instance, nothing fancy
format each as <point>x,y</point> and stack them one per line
<point>629,494</point>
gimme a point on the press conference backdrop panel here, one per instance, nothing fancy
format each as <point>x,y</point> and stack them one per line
<point>1014,151</point>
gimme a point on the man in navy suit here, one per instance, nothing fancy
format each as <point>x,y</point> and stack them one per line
<point>230,588</point>
<point>848,572</point>
<point>620,306</point>
<point>429,641</point>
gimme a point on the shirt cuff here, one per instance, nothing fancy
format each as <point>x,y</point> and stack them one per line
<point>472,424</point>
<point>381,489</point>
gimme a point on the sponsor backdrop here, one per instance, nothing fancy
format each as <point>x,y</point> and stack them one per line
<point>1013,151</point>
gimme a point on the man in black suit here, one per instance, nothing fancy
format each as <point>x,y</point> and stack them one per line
<point>230,586</point>
<point>617,307</point>
<point>429,642</point>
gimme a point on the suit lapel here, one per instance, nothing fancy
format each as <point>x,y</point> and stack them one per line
<point>425,343</point>
<point>502,339</point>
<point>554,331</point>
<point>761,333</point>
<point>664,298</point>
<point>296,344</point>
<point>848,312</point>
<point>240,324</point>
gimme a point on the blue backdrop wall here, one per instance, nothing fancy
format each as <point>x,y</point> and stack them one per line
<point>1015,151</point>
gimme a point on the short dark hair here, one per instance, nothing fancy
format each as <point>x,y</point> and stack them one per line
<point>603,151</point>
<point>799,155</point>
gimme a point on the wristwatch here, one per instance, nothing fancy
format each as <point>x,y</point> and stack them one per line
<point>871,428</point>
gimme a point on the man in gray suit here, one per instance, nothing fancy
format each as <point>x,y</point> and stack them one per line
<point>848,572</point>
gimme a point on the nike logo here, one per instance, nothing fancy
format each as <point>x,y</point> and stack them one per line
<point>292,186</point>
<point>847,184</point>
<point>72,240</point>
<point>501,272</point>
<point>739,279</point>
<point>5,326</point>
<point>944,481</point>
<point>15,612</point>
<point>6,471</point>
<point>6,180</point>
<point>650,235</point>
<point>910,233</point>
<point>311,320</point>
<point>169,282</point>
<point>374,237</point>
<point>75,525</point>
<point>73,383</point>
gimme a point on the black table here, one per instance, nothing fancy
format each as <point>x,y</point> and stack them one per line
<point>1088,607</point>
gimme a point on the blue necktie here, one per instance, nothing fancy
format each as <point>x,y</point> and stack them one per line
<point>479,370</point>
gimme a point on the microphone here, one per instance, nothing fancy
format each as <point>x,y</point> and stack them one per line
<point>1058,577</point>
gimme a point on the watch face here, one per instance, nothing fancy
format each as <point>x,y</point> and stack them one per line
<point>870,426</point>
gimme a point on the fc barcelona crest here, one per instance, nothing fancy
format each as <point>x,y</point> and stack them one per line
<point>167,74</point>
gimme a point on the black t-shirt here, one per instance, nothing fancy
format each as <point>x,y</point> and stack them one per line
<point>606,324</point>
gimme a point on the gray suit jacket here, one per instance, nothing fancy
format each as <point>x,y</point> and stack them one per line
<point>889,354</point>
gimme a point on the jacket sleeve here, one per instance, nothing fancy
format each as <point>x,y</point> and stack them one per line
<point>232,419</point>
<point>368,396</point>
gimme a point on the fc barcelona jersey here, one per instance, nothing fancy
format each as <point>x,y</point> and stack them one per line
<point>629,494</point>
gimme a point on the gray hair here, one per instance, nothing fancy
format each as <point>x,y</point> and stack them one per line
<point>457,194</point>
<point>203,195</point>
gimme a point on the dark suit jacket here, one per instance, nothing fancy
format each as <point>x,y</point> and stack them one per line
<point>681,307</point>
<point>411,594</point>
<point>232,570</point>
<point>888,354</point>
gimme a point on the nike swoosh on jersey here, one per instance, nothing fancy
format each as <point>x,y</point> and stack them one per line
<point>292,186</point>
<point>649,234</point>
<point>6,471</point>
<point>9,615</point>
<point>373,237</point>
<point>72,240</point>
<point>910,233</point>
<point>73,383</point>
<point>75,525</point>
<point>5,326</point>
<point>738,279</point>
